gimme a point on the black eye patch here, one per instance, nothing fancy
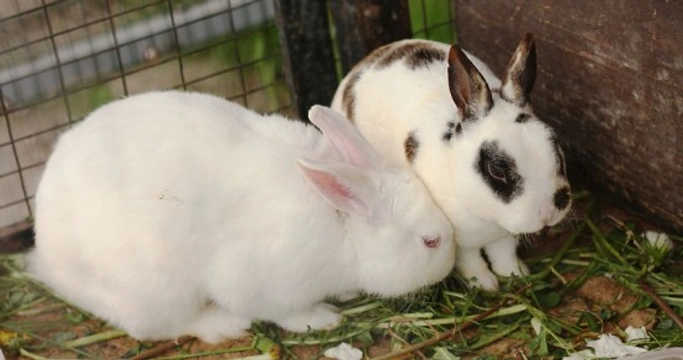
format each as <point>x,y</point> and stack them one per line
<point>499,171</point>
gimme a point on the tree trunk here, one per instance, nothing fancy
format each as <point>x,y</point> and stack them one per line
<point>307,52</point>
<point>364,25</point>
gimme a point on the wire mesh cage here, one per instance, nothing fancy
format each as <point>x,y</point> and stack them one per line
<point>59,60</point>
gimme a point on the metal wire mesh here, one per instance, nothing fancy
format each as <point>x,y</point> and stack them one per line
<point>59,60</point>
<point>432,19</point>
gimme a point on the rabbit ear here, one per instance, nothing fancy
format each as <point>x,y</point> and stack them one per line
<point>468,88</point>
<point>520,73</point>
<point>344,137</point>
<point>344,187</point>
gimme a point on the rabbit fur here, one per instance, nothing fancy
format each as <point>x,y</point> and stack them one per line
<point>176,213</point>
<point>495,169</point>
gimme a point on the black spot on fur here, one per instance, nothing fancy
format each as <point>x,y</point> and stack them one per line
<point>522,118</point>
<point>453,129</point>
<point>349,96</point>
<point>561,198</point>
<point>410,146</point>
<point>448,134</point>
<point>499,171</point>
<point>423,57</point>
<point>416,55</point>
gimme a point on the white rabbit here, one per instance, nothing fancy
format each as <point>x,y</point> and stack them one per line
<point>173,213</point>
<point>493,167</point>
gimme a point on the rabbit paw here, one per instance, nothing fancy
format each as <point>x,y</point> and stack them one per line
<point>214,325</point>
<point>503,257</point>
<point>473,268</point>
<point>484,280</point>
<point>320,317</point>
<point>510,268</point>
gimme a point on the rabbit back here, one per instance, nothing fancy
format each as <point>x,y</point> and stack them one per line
<point>133,212</point>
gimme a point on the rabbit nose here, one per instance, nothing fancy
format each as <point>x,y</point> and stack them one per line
<point>431,242</point>
<point>548,214</point>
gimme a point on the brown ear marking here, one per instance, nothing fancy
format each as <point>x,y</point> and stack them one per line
<point>410,146</point>
<point>376,54</point>
<point>349,96</point>
<point>469,90</point>
<point>416,55</point>
<point>520,73</point>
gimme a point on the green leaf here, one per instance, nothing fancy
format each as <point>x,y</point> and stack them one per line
<point>540,343</point>
<point>263,344</point>
<point>591,321</point>
<point>549,299</point>
<point>365,337</point>
<point>665,324</point>
<point>441,353</point>
<point>63,336</point>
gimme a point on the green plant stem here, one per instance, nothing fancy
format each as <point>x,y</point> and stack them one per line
<point>326,340</point>
<point>361,308</point>
<point>395,321</point>
<point>495,337</point>
<point>559,255</point>
<point>449,334</point>
<point>31,355</point>
<point>566,246</point>
<point>604,243</point>
<point>93,339</point>
<point>48,341</point>
<point>663,305</point>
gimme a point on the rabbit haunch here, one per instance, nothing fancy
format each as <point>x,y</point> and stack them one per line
<point>174,213</point>
<point>494,168</point>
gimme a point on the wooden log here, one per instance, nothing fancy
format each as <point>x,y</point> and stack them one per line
<point>307,52</point>
<point>610,82</point>
<point>364,25</point>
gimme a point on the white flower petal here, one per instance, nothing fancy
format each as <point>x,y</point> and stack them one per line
<point>659,240</point>
<point>344,351</point>
<point>636,333</point>
<point>581,355</point>
<point>536,325</point>
<point>610,346</point>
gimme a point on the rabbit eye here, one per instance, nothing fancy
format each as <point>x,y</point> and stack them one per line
<point>497,171</point>
<point>431,242</point>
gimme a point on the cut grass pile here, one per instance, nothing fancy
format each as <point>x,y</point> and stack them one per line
<point>602,277</point>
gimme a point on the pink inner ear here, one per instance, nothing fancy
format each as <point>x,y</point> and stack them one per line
<point>351,150</point>
<point>343,136</point>
<point>353,154</point>
<point>329,184</point>
<point>335,192</point>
